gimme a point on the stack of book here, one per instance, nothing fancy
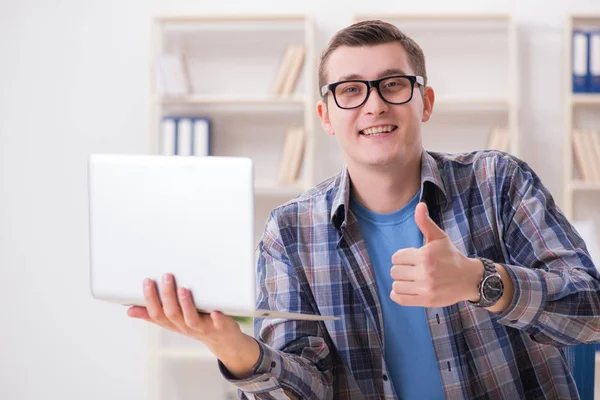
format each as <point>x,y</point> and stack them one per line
<point>292,156</point>
<point>586,154</point>
<point>289,71</point>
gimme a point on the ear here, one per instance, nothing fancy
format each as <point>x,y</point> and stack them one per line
<point>324,117</point>
<point>428,100</point>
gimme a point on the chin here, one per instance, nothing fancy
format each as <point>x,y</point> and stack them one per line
<point>382,161</point>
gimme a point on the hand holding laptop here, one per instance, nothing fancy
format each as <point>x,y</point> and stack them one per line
<point>149,214</point>
<point>220,333</point>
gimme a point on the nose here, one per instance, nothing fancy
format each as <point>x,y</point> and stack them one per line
<point>375,104</point>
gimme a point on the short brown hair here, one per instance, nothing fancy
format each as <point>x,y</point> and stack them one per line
<point>371,33</point>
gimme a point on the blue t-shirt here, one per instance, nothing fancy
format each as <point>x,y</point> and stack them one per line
<point>409,352</point>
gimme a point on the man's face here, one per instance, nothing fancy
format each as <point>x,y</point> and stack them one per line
<point>400,140</point>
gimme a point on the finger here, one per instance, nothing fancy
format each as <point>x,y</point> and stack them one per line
<point>429,229</point>
<point>153,305</point>
<point>218,319</point>
<point>405,273</point>
<point>170,302</point>
<point>406,299</point>
<point>408,256</point>
<point>193,319</point>
<point>138,312</point>
<point>405,287</point>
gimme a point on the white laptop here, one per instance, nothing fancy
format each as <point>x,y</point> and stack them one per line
<point>191,216</point>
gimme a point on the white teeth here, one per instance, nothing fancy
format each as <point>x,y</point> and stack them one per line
<point>378,130</point>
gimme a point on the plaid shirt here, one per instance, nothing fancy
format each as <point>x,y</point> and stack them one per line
<point>313,260</point>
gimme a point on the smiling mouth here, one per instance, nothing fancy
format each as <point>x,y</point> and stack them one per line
<point>378,130</point>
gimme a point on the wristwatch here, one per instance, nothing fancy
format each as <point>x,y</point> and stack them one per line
<point>491,286</point>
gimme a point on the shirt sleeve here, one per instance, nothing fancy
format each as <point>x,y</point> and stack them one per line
<point>556,284</point>
<point>294,361</point>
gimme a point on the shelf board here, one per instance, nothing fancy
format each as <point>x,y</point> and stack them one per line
<point>264,189</point>
<point>299,100</point>
<point>436,17</point>
<point>267,100</point>
<point>585,99</point>
<point>173,19</point>
<point>584,186</point>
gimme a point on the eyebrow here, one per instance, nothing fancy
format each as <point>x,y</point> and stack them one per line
<point>387,72</point>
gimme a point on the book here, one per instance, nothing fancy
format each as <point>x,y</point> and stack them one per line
<point>172,77</point>
<point>295,68</point>
<point>291,156</point>
<point>201,139</point>
<point>592,144</point>
<point>168,133</point>
<point>184,136</point>
<point>594,61</point>
<point>499,139</point>
<point>580,156</point>
<point>580,64</point>
<point>283,71</point>
<point>297,156</point>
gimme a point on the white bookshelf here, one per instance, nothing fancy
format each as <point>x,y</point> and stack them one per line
<point>471,61</point>
<point>231,62</point>
<point>582,110</point>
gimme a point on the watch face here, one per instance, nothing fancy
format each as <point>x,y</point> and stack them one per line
<point>493,288</point>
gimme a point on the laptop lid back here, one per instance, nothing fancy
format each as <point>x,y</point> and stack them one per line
<point>191,216</point>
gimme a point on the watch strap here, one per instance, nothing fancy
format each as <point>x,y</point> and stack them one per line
<point>489,269</point>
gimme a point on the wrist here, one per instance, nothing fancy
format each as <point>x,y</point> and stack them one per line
<point>475,275</point>
<point>239,356</point>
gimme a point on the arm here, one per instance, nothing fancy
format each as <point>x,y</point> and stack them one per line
<point>556,285</point>
<point>294,358</point>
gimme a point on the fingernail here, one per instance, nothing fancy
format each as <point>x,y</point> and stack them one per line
<point>147,283</point>
<point>167,278</point>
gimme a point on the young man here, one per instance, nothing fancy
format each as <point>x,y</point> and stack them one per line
<point>455,276</point>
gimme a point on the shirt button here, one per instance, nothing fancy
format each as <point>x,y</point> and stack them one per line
<point>385,378</point>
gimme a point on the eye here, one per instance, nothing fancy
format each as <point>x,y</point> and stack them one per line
<point>350,89</point>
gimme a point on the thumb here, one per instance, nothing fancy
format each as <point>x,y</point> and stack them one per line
<point>429,229</point>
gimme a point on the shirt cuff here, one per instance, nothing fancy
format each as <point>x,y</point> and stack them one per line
<point>265,373</point>
<point>529,298</point>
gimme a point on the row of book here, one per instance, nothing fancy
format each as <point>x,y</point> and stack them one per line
<point>173,76</point>
<point>185,136</point>
<point>292,156</point>
<point>191,136</point>
<point>586,154</point>
<point>289,70</point>
<point>586,60</point>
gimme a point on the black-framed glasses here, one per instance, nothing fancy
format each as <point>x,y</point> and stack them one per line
<point>397,89</point>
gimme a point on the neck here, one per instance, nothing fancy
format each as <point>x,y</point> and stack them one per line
<point>386,189</point>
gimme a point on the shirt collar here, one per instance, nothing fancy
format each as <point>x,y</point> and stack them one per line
<point>430,173</point>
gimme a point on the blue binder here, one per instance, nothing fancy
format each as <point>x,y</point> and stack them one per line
<point>594,61</point>
<point>581,61</point>
<point>581,361</point>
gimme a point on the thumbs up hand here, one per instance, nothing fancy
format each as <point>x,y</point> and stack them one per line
<point>435,275</point>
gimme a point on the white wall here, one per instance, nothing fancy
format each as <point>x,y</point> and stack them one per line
<point>74,80</point>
